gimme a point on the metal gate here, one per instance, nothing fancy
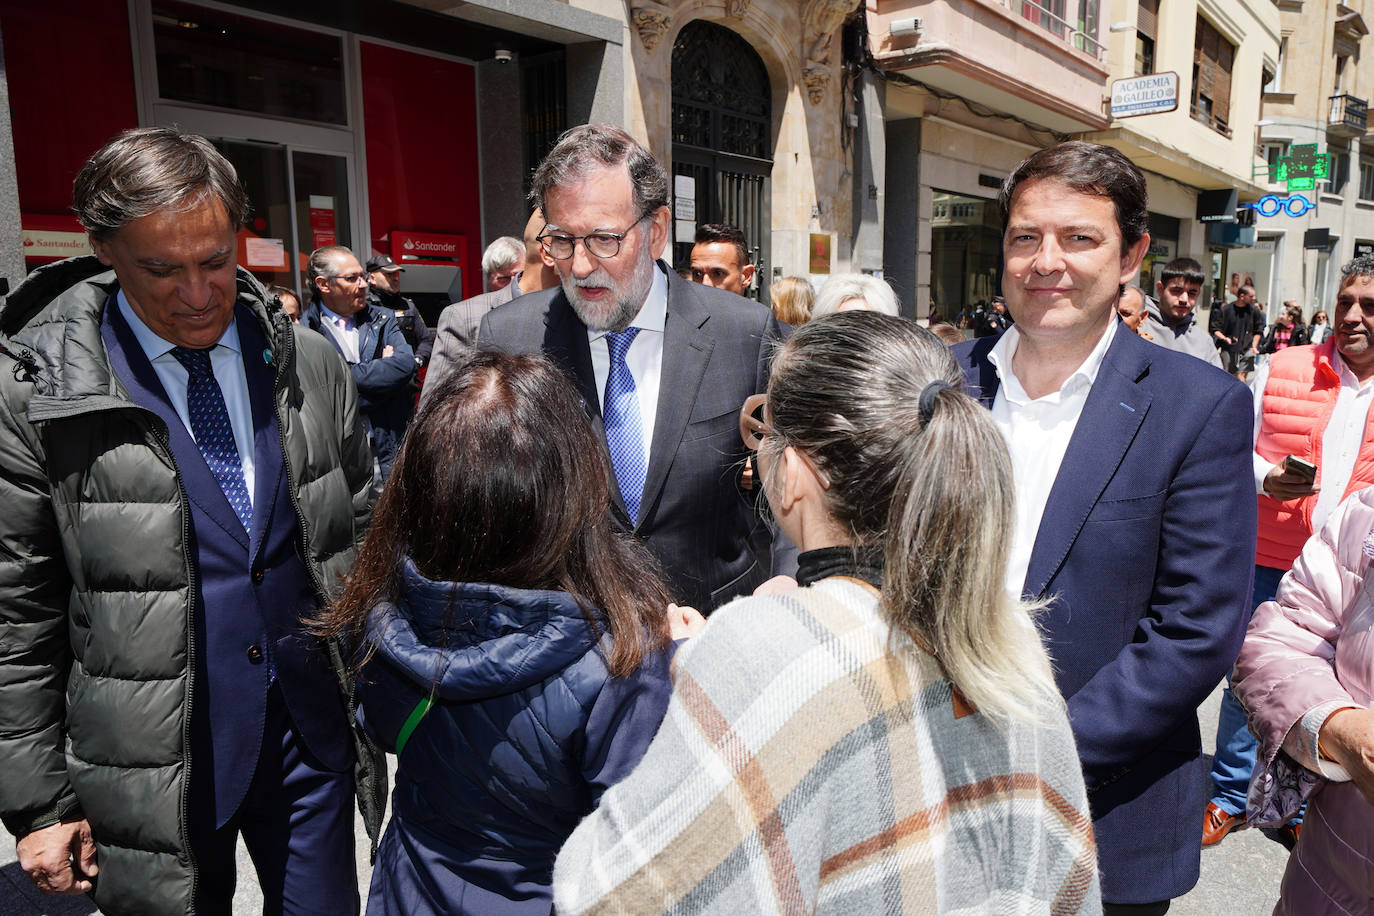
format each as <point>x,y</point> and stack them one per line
<point>722,137</point>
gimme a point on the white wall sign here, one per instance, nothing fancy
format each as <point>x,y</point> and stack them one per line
<point>1141,95</point>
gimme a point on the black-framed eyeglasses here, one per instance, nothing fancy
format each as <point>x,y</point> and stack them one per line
<point>599,244</point>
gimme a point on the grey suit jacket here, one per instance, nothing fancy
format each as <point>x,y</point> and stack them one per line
<point>457,330</point>
<point>717,350</point>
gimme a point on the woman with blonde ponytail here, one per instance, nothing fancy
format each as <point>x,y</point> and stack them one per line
<point>885,736</point>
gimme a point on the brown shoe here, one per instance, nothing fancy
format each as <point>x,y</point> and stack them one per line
<point>1216,823</point>
<point>1288,835</point>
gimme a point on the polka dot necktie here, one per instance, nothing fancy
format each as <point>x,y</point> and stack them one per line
<point>211,429</point>
<point>624,427</point>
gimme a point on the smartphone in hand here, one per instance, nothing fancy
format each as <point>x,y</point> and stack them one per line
<point>1299,468</point>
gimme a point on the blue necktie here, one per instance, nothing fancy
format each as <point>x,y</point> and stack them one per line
<point>624,429</point>
<point>212,431</point>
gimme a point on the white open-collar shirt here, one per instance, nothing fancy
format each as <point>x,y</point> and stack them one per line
<point>1037,432</point>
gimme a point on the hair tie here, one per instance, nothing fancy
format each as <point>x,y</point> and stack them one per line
<point>929,393</point>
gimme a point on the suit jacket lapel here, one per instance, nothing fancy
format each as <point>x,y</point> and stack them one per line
<point>686,353</point>
<point>1111,416</point>
<point>267,458</point>
<point>131,366</point>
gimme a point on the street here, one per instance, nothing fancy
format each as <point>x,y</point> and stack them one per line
<point>1240,877</point>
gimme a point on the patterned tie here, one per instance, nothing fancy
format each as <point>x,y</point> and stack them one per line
<point>211,429</point>
<point>624,431</point>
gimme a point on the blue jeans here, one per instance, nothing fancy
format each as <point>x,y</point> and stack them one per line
<point>1236,747</point>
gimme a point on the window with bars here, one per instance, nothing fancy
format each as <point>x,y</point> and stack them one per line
<point>1213,57</point>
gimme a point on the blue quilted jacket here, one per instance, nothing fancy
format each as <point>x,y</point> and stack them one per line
<point>526,731</point>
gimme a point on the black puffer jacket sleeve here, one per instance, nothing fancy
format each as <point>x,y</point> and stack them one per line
<point>34,651</point>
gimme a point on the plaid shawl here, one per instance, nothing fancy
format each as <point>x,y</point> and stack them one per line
<point>812,761</point>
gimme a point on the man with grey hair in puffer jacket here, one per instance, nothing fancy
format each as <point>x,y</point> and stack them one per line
<point>184,480</point>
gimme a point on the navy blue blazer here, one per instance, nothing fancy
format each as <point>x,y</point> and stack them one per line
<point>1146,553</point>
<point>717,351</point>
<point>252,591</point>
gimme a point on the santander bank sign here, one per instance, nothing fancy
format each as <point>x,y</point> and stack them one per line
<point>426,246</point>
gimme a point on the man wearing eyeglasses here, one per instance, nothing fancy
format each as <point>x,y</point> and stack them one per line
<point>662,364</point>
<point>370,341</point>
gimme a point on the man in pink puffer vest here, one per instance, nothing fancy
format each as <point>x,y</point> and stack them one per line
<point>1311,403</point>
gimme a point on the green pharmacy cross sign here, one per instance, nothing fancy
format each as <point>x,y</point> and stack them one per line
<point>1302,167</point>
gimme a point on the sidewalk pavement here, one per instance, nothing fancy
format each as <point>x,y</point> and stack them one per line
<point>1241,875</point>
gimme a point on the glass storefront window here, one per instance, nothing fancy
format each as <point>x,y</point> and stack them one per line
<point>965,252</point>
<point>210,57</point>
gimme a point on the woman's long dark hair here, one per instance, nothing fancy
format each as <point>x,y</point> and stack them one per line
<point>502,480</point>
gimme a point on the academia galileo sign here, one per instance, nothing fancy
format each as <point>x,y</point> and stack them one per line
<point>1142,95</point>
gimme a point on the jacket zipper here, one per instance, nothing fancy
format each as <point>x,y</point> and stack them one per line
<point>184,804</point>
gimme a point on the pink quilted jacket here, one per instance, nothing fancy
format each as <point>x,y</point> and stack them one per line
<point>1305,655</point>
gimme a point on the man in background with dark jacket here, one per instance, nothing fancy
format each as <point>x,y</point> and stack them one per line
<point>384,291</point>
<point>371,342</point>
<point>184,480</point>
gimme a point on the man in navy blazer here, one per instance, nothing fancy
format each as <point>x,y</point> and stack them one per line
<point>668,404</point>
<point>1135,509</point>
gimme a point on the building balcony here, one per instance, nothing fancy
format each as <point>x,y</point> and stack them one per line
<point>1061,28</point>
<point>998,54</point>
<point>1349,116</point>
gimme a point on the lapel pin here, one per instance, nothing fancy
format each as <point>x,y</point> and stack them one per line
<point>267,356</point>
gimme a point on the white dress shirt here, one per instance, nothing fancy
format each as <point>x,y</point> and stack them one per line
<point>226,361</point>
<point>345,331</point>
<point>1340,440</point>
<point>644,358</point>
<point>1037,432</point>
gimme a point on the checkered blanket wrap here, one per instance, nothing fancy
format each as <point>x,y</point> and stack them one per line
<point>811,761</point>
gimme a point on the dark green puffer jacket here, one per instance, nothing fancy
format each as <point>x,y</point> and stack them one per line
<point>96,577</point>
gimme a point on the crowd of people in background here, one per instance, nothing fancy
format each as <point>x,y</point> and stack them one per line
<point>663,599</point>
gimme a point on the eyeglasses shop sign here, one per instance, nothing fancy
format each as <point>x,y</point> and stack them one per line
<point>1141,95</point>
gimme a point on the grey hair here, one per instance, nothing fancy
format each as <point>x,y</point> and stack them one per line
<point>841,288</point>
<point>148,169</point>
<point>1360,266</point>
<point>321,264</point>
<point>936,496</point>
<point>504,252</point>
<point>589,147</point>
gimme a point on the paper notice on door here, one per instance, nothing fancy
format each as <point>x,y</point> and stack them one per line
<point>265,253</point>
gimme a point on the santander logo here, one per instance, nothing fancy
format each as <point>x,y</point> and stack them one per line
<point>409,245</point>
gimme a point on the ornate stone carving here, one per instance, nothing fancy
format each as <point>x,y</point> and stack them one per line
<point>651,25</point>
<point>817,79</point>
<point>820,19</point>
<point>737,8</point>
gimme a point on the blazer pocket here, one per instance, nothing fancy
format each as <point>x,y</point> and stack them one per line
<point>713,425</point>
<point>1134,507</point>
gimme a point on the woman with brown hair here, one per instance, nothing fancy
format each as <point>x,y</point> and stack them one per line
<point>511,645</point>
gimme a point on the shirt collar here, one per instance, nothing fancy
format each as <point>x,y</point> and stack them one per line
<point>153,345</point>
<point>336,318</point>
<point>653,314</point>
<point>1082,377</point>
<point>1348,379</point>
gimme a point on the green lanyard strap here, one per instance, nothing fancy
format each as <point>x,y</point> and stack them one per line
<point>412,721</point>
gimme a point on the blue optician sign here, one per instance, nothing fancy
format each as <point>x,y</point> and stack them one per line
<point>1273,205</point>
